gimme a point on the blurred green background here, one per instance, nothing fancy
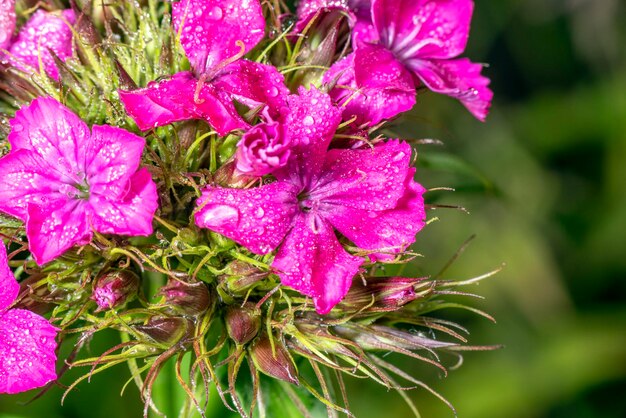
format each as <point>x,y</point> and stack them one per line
<point>544,181</point>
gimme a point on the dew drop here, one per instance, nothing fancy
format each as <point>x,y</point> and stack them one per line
<point>259,212</point>
<point>216,13</point>
<point>308,120</point>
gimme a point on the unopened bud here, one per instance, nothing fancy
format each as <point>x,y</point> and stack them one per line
<point>167,330</point>
<point>240,276</point>
<point>186,298</point>
<point>115,288</point>
<point>275,363</point>
<point>386,293</point>
<point>243,323</point>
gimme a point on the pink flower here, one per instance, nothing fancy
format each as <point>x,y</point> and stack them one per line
<point>7,22</point>
<point>263,149</point>
<point>418,38</point>
<point>44,32</point>
<point>214,35</point>
<point>65,181</point>
<point>27,340</point>
<point>368,195</point>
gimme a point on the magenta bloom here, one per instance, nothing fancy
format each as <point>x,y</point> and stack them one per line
<point>44,32</point>
<point>27,340</point>
<point>418,38</point>
<point>7,22</point>
<point>263,149</point>
<point>368,195</point>
<point>214,35</point>
<point>65,181</point>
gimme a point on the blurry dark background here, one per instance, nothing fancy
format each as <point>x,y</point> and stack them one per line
<point>544,181</point>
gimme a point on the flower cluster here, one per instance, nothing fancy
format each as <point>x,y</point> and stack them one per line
<point>231,158</point>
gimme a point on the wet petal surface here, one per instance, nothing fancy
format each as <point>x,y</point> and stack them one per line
<point>390,231</point>
<point>460,79</point>
<point>210,29</point>
<point>27,351</point>
<point>7,22</point>
<point>42,32</point>
<point>423,28</point>
<point>9,288</point>
<point>131,214</point>
<point>256,218</point>
<point>56,227</point>
<point>369,178</point>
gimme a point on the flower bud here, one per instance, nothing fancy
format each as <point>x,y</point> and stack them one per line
<point>387,293</point>
<point>275,363</point>
<point>114,288</point>
<point>186,298</point>
<point>263,149</point>
<point>240,276</point>
<point>243,323</point>
<point>167,330</point>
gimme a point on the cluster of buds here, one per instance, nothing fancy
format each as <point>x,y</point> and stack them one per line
<point>213,180</point>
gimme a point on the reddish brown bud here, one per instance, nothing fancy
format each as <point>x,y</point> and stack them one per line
<point>115,288</point>
<point>167,331</point>
<point>186,298</point>
<point>243,323</point>
<point>277,363</point>
<point>386,293</point>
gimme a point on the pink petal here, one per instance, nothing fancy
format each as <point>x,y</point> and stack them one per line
<point>423,28</point>
<point>38,182</point>
<point>390,231</point>
<point>372,85</point>
<point>172,100</point>
<point>9,288</point>
<point>162,102</point>
<point>54,228</point>
<point>309,9</point>
<point>52,131</point>
<point>254,84</point>
<point>112,157</point>
<point>131,214</point>
<point>312,261</point>
<point>368,179</point>
<point>43,31</point>
<point>460,79</point>
<point>311,123</point>
<point>256,218</point>
<point>7,22</point>
<point>27,351</point>
<point>363,30</point>
<point>211,29</point>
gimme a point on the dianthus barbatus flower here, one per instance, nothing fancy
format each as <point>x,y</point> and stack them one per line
<point>214,35</point>
<point>27,340</point>
<point>65,181</point>
<point>368,195</point>
<point>44,32</point>
<point>420,38</point>
<point>7,22</point>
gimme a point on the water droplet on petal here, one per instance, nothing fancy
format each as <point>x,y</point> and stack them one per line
<point>216,13</point>
<point>308,120</point>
